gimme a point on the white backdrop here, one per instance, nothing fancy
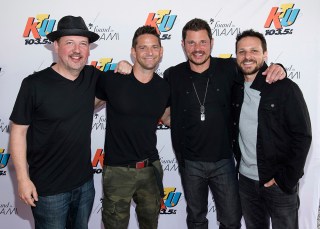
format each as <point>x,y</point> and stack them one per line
<point>290,28</point>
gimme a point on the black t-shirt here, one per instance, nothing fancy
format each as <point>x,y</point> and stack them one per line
<point>59,113</point>
<point>133,112</point>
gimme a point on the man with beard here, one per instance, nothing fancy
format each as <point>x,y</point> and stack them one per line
<point>272,133</point>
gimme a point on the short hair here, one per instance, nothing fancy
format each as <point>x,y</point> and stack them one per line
<point>196,24</point>
<point>146,29</point>
<point>252,33</point>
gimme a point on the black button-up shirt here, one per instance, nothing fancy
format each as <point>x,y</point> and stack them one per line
<point>193,139</point>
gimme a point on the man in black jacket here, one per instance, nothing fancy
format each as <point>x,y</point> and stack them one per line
<point>200,116</point>
<point>273,137</point>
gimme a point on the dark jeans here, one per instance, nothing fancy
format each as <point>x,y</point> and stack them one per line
<point>120,186</point>
<point>65,210</point>
<point>259,204</point>
<point>197,177</point>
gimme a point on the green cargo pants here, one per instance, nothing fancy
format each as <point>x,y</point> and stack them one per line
<point>120,186</point>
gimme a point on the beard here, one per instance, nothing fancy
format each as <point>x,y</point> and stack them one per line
<point>247,71</point>
<point>198,63</point>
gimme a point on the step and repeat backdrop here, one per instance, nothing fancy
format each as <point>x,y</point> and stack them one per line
<point>290,28</point>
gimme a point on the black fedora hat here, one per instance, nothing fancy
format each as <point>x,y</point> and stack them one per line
<point>72,26</point>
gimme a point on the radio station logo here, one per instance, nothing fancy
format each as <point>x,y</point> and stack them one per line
<point>104,64</point>
<point>37,28</point>
<point>105,33</point>
<point>4,159</point>
<point>8,209</point>
<point>163,21</point>
<point>223,28</point>
<point>281,17</point>
<point>171,199</point>
<point>97,162</point>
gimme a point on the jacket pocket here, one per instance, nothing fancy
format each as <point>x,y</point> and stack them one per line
<point>272,130</point>
<point>268,129</point>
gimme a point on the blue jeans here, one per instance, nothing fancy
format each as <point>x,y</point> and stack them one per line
<point>259,204</point>
<point>65,210</point>
<point>197,177</point>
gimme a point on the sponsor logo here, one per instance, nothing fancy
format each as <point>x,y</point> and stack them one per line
<point>293,73</point>
<point>37,28</point>
<point>97,162</point>
<point>171,199</point>
<point>281,17</point>
<point>4,158</point>
<point>106,32</point>
<point>104,64</point>
<point>169,165</point>
<point>99,122</point>
<point>220,28</point>
<point>8,209</point>
<point>163,21</point>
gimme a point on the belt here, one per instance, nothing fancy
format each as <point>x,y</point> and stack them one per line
<point>139,164</point>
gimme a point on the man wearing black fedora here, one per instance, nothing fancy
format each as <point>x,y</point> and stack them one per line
<point>50,134</point>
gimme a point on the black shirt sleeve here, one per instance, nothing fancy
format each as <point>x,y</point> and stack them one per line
<point>24,105</point>
<point>101,86</point>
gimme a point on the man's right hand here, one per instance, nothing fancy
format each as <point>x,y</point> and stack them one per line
<point>27,192</point>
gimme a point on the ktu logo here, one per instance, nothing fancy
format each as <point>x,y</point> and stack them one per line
<point>98,159</point>
<point>4,158</point>
<point>39,26</point>
<point>282,18</point>
<point>162,21</point>
<point>104,64</point>
<point>171,199</point>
